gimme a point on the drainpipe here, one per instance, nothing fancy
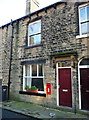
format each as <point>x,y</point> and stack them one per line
<point>9,82</point>
<point>75,79</point>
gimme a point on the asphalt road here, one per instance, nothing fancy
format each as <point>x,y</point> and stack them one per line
<point>9,115</point>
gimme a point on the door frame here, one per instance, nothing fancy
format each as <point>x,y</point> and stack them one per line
<point>57,68</point>
<point>79,67</point>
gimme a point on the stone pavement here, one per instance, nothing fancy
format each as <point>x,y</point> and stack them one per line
<point>39,111</point>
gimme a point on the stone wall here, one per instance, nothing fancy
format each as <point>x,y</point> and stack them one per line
<point>58,35</point>
<point>0,54</point>
<point>6,41</point>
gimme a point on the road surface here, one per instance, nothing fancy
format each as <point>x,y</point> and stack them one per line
<point>6,114</point>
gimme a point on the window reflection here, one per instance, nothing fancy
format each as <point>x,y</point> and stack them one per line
<point>83,14</point>
<point>36,39</point>
<point>40,70</point>
<point>88,12</point>
<point>27,70</point>
<point>34,70</point>
<point>27,82</point>
<point>35,28</point>
<point>34,32</point>
<point>84,20</point>
<point>85,28</point>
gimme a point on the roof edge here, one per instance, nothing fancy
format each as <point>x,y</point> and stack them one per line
<point>36,12</point>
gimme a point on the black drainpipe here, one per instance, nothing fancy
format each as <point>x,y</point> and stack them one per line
<point>11,42</point>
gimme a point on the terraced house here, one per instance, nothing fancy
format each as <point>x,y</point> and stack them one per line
<point>48,49</point>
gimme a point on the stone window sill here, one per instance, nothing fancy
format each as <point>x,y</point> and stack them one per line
<point>27,47</point>
<point>82,36</point>
<point>31,93</point>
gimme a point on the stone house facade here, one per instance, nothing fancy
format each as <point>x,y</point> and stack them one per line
<point>49,49</point>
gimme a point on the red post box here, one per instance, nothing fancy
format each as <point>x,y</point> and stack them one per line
<point>48,88</point>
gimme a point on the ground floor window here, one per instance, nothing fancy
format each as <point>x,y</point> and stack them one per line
<point>33,75</point>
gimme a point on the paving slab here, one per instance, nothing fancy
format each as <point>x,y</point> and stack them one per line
<point>39,111</point>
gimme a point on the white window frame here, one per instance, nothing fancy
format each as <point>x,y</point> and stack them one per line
<point>80,22</point>
<point>33,34</point>
<point>31,75</point>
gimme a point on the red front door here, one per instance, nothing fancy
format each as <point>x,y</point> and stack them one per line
<point>84,82</point>
<point>65,92</point>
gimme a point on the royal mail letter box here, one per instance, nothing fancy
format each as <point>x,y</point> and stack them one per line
<point>48,88</point>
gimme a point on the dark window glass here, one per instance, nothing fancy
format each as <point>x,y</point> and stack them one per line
<point>34,70</point>
<point>85,61</point>
<point>38,82</point>
<point>40,70</point>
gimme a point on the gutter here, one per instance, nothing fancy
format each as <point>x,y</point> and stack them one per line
<point>9,82</point>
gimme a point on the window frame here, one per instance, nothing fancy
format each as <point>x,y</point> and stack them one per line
<point>38,33</point>
<point>30,77</point>
<point>84,21</point>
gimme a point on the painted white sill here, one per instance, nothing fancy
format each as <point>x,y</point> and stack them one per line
<point>41,92</point>
<point>82,36</point>
<point>38,91</point>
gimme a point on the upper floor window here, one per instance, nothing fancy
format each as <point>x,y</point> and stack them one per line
<point>34,33</point>
<point>84,19</point>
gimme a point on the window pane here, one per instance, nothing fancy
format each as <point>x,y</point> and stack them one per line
<point>85,61</point>
<point>27,82</point>
<point>83,14</point>
<point>35,28</point>
<point>88,12</point>
<point>38,82</point>
<point>27,70</point>
<point>36,39</point>
<point>34,70</point>
<point>40,70</point>
<point>32,40</point>
<point>85,28</point>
